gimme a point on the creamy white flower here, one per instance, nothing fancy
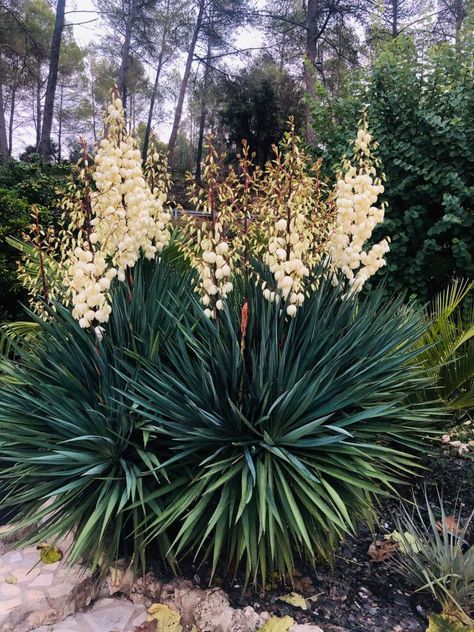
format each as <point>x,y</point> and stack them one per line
<point>357,216</point>
<point>126,219</point>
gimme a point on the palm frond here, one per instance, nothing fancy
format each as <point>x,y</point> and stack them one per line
<point>448,352</point>
<point>16,333</point>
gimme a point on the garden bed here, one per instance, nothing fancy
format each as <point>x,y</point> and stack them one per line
<point>360,595</point>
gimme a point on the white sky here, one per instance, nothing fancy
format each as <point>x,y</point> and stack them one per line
<point>82,14</point>
<point>87,28</point>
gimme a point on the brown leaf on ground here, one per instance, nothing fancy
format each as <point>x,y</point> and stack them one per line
<point>302,583</point>
<point>452,525</point>
<point>381,550</point>
<point>148,626</point>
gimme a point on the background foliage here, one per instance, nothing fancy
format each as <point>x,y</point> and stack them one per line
<point>421,112</point>
<point>22,184</point>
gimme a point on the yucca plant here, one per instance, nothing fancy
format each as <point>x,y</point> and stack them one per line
<point>251,440</point>
<point>449,346</point>
<point>285,428</point>
<point>75,453</point>
<point>436,556</point>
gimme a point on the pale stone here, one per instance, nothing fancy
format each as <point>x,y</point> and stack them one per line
<point>10,590</point>
<point>14,557</point>
<point>71,624</point>
<point>35,595</point>
<point>42,580</point>
<point>60,590</point>
<point>8,605</point>
<point>51,567</point>
<point>110,616</point>
<point>140,618</point>
<point>23,575</point>
<point>41,616</point>
<point>6,569</point>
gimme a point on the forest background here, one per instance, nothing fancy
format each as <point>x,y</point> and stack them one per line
<point>239,69</point>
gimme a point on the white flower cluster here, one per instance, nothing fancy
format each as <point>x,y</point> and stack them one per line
<point>90,279</point>
<point>357,216</point>
<point>126,219</point>
<point>214,266</point>
<point>285,256</point>
<point>461,447</point>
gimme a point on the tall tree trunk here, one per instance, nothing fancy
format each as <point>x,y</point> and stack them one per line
<point>3,129</point>
<point>460,13</point>
<point>60,117</point>
<point>12,118</point>
<point>146,139</point>
<point>203,114</point>
<point>38,106</point>
<point>184,84</point>
<point>395,18</point>
<point>132,122</point>
<point>124,62</point>
<point>312,37</point>
<point>94,105</point>
<point>44,149</point>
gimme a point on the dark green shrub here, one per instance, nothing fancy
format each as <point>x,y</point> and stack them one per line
<point>421,112</point>
<point>15,216</point>
<point>23,184</point>
<point>35,182</point>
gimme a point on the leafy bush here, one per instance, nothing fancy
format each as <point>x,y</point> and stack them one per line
<point>14,218</point>
<point>252,450</point>
<point>21,185</point>
<point>436,556</point>
<point>36,182</point>
<point>421,110</point>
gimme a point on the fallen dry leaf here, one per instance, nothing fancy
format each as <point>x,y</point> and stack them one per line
<point>49,554</point>
<point>167,620</point>
<point>294,599</point>
<point>445,623</point>
<point>407,542</point>
<point>452,525</point>
<point>381,550</point>
<point>148,626</point>
<point>277,624</point>
<point>302,583</point>
<point>119,579</point>
<point>11,579</point>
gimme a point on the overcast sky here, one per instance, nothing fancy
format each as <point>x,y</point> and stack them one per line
<point>82,14</point>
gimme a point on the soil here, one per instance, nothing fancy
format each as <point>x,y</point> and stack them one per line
<point>360,595</point>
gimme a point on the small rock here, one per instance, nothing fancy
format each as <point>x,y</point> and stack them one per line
<point>400,600</point>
